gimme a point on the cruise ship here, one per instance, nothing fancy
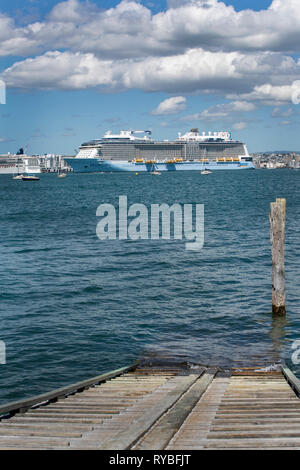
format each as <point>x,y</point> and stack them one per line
<point>11,164</point>
<point>20,163</point>
<point>135,150</point>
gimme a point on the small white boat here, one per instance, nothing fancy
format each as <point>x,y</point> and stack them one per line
<point>154,170</point>
<point>18,177</point>
<point>30,178</point>
<point>62,175</point>
<point>206,172</point>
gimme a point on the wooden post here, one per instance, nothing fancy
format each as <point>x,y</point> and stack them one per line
<point>277,229</point>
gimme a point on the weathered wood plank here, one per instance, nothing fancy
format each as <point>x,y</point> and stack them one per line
<point>292,380</point>
<point>29,419</point>
<point>40,432</point>
<point>160,435</point>
<point>262,434</point>
<point>253,443</point>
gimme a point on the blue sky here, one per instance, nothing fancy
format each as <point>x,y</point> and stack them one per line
<point>75,69</point>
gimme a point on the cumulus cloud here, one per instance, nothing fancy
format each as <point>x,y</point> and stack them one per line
<point>195,71</point>
<point>72,11</point>
<point>130,29</point>
<point>173,105</point>
<point>269,94</point>
<point>281,113</point>
<point>238,126</point>
<point>222,112</point>
<point>195,46</point>
<point>60,70</point>
<point>227,109</point>
<point>5,140</point>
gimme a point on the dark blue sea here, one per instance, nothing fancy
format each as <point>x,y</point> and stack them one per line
<point>73,306</point>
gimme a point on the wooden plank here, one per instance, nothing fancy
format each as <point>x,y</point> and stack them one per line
<point>253,443</point>
<point>52,426</point>
<point>97,411</point>
<point>160,435</point>
<point>255,427</point>
<point>41,432</point>
<point>29,419</point>
<point>18,441</point>
<point>257,434</point>
<point>242,422</point>
<point>292,380</point>
<point>41,414</point>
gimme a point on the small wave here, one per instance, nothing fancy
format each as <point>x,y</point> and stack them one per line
<point>32,250</point>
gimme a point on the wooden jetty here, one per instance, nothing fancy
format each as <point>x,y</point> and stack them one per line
<point>161,408</point>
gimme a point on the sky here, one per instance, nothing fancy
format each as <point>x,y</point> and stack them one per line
<point>74,69</point>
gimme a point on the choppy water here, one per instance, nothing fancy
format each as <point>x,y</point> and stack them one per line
<point>73,306</point>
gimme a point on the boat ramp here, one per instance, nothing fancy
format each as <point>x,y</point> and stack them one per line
<point>172,407</point>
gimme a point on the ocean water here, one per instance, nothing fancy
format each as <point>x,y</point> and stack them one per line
<point>73,306</point>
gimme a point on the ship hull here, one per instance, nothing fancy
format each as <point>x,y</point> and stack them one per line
<point>95,165</point>
<point>9,170</point>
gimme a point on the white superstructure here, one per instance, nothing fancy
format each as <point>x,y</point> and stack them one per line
<point>194,135</point>
<point>128,135</point>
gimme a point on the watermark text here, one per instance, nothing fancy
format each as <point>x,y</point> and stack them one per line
<point>2,92</point>
<point>2,352</point>
<point>160,221</point>
<point>296,353</point>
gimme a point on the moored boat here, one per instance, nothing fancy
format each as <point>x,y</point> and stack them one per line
<point>30,178</point>
<point>129,152</point>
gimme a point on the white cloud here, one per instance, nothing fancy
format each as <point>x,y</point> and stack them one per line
<point>194,71</point>
<point>278,112</point>
<point>130,30</point>
<point>4,140</point>
<point>238,126</point>
<point>222,112</point>
<point>269,94</point>
<point>72,11</point>
<point>211,24</point>
<point>195,46</point>
<point>192,117</point>
<point>241,106</point>
<point>60,70</point>
<point>173,105</point>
